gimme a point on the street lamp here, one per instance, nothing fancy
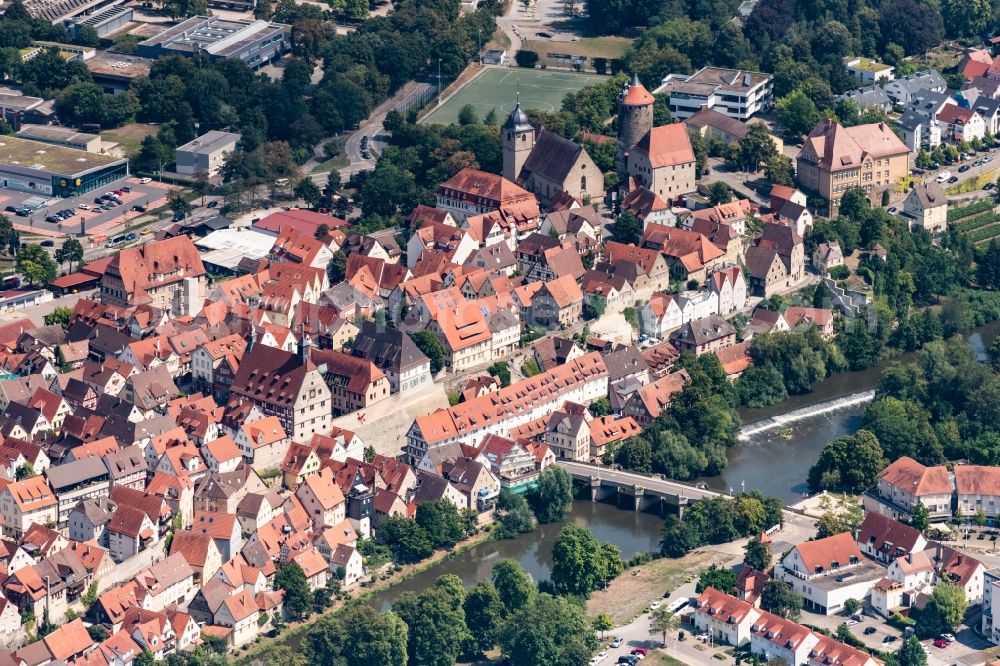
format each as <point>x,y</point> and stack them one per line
<point>479,45</point>
<point>439,81</point>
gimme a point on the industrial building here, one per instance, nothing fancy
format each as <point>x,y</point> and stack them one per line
<point>207,153</point>
<point>62,136</point>
<point>115,72</point>
<point>105,22</point>
<point>254,42</point>
<point>17,108</point>
<point>44,169</point>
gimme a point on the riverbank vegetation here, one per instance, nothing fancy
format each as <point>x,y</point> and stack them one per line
<point>719,520</point>
<point>945,405</point>
<point>543,622</point>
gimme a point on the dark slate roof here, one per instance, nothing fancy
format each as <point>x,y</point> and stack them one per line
<point>704,330</point>
<point>625,360</point>
<point>387,348</point>
<point>552,156</point>
<point>68,475</point>
<point>429,487</point>
<point>125,461</point>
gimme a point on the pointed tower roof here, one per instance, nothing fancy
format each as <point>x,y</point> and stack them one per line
<point>636,94</point>
<point>518,119</point>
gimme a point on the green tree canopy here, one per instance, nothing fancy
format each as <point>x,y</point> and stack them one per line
<point>432,348</point>
<point>513,584</point>
<point>850,464</point>
<point>34,263</point>
<point>552,498</point>
<point>298,597</point>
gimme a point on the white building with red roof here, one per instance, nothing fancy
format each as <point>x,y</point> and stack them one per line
<point>724,617</point>
<point>906,482</point>
<point>827,572</point>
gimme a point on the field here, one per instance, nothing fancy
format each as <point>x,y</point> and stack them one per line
<point>586,47</point>
<point>496,88</point>
<point>978,221</point>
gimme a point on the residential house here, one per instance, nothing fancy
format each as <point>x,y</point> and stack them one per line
<point>78,480</point>
<point>648,207</point>
<point>567,432</point>
<point>730,288</point>
<point>606,430</point>
<point>199,551</point>
<point>647,403</point>
<point>827,256</point>
<point>886,540</point>
<point>904,483</point>
<point>322,499</point>
<point>556,304</point>
<point>727,619</point>
<point>355,383</point>
<point>169,581</point>
<point>776,260</point>
<point>689,254</point>
<point>926,206</point>
<point>395,354</point>
<point>773,637</point>
<point>130,531</point>
<point>704,335</point>
<point>960,124</point>
<point>471,192</point>
<point>27,502</point>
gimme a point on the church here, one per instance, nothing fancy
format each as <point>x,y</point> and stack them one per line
<point>546,164</point>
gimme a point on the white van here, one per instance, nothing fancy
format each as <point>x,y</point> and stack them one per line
<point>943,177</point>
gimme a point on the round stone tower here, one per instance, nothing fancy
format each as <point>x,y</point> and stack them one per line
<point>635,120</point>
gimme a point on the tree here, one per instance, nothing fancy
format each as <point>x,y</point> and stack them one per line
<point>24,471</point>
<point>850,464</point>
<point>144,658</point>
<point>179,205</point>
<point>852,606</point>
<point>920,517</point>
<point>321,231</point>
<point>911,653</point>
<point>432,348</point>
<point>966,18</point>
<point>369,454</point>
<point>358,634</point>
<point>436,621</point>
<point>580,563</point>
<point>548,630</point>
<point>484,614</point>
<point>61,315</point>
<point>719,193</point>
<point>409,541</point>
<point>757,554</point>
<point>34,263</point>
<point>797,113</point>
<point>501,371</point>
<point>628,228</point>
<point>309,192</point>
<point>553,496</point>
<point>97,633</point>
<point>441,521</point>
<point>603,623</point>
<point>298,598</point>
<point>467,115</point>
<point>530,368</point>
<point>71,252</point>
<point>336,269</point>
<point>513,584</point>
<point>756,148</point>
<point>779,598</point>
<point>721,578</point>
<point>663,620</point>
<point>943,612</point>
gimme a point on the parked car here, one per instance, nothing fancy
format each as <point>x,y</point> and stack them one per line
<point>53,218</point>
<point>966,167</point>
<point>214,203</point>
<point>629,659</point>
<point>145,180</point>
<point>869,631</point>
<point>989,186</point>
<point>48,242</point>
<point>84,206</point>
<point>595,660</point>
<point>653,606</point>
<point>11,209</point>
<point>948,637</point>
<point>890,639</point>
<point>940,643</point>
<point>139,208</point>
<point>642,652</point>
<point>953,179</point>
<point>892,210</point>
<point>616,641</point>
<point>126,188</point>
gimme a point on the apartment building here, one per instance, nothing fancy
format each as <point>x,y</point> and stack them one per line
<point>581,380</point>
<point>166,274</point>
<point>735,93</point>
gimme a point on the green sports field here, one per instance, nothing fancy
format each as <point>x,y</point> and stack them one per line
<point>496,88</point>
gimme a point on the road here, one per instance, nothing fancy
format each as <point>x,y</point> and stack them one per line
<point>374,129</point>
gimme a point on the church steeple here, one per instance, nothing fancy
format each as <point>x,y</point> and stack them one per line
<point>518,138</point>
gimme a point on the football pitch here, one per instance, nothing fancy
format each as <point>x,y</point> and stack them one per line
<point>496,88</point>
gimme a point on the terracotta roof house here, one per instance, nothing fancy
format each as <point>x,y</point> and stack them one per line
<point>557,303</point>
<point>904,483</point>
<point>355,382</point>
<point>646,404</point>
<point>689,254</point>
<point>886,539</point>
<point>166,274</point>
<point>663,161</point>
<point>834,158</point>
<point>471,192</point>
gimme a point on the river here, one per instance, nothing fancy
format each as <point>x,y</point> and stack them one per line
<point>632,532</point>
<point>771,461</point>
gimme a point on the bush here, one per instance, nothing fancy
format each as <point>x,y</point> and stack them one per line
<point>971,209</point>
<point>526,59</point>
<point>840,272</point>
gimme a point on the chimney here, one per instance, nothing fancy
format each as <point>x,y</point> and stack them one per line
<point>909,558</point>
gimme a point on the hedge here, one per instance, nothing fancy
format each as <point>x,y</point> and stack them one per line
<point>983,233</point>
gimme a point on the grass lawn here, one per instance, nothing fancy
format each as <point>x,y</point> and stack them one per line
<point>660,659</point>
<point>332,164</point>
<point>497,88</point>
<point>629,595</point>
<point>130,136</point>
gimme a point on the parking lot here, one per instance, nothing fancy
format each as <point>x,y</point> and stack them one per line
<point>95,220</point>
